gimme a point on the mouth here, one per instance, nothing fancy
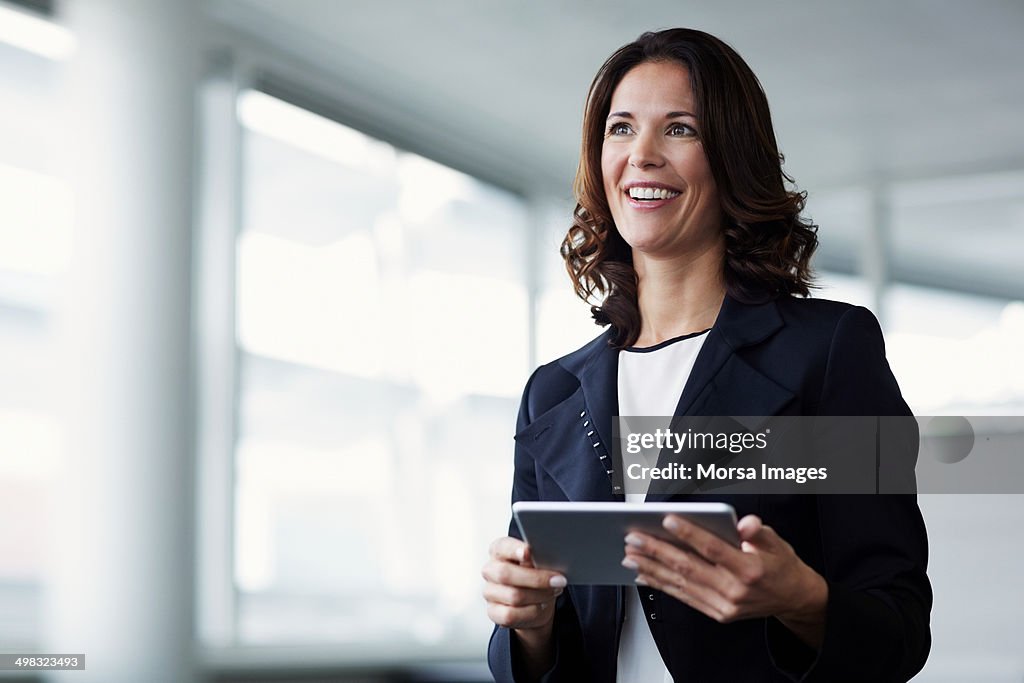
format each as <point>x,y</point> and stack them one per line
<point>650,196</point>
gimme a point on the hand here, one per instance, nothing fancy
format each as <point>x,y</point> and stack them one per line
<point>518,595</point>
<point>764,577</point>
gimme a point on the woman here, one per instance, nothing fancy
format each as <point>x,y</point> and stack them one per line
<point>685,227</point>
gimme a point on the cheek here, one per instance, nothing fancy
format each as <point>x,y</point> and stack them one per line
<point>696,173</point>
<point>697,168</point>
<point>708,180</point>
<point>611,174</point>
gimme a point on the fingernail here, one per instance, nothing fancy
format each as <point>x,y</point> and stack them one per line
<point>521,553</point>
<point>671,523</point>
<point>630,564</point>
<point>558,582</point>
<point>634,540</point>
<point>640,581</point>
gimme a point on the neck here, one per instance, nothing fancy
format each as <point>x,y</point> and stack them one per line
<point>679,296</point>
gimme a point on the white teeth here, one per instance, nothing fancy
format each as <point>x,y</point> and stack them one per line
<point>651,193</point>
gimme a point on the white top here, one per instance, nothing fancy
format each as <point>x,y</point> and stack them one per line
<point>651,381</point>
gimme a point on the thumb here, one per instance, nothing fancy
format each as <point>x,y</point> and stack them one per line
<point>753,532</point>
<point>525,556</point>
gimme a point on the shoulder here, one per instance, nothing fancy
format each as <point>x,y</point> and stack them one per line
<point>812,308</point>
<point>820,315</point>
<point>823,351</point>
<point>848,349</point>
<point>821,323</point>
<point>557,380</point>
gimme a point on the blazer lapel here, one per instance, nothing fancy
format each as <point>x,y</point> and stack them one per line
<point>572,440</point>
<point>738,325</point>
<point>600,383</point>
<point>722,384</point>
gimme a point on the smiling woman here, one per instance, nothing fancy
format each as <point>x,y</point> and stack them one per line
<point>695,251</point>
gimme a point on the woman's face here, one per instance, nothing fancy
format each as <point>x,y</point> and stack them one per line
<point>659,185</point>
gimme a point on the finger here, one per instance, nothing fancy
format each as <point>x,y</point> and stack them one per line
<point>722,613</point>
<point>510,549</point>
<point>518,597</point>
<point>666,561</point>
<point>749,527</point>
<point>704,543</point>
<point>666,553</point>
<point>755,534</point>
<point>511,574</point>
<point>658,577</point>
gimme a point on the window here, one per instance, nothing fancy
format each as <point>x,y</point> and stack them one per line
<point>383,338</point>
<point>956,353</point>
<point>35,229</point>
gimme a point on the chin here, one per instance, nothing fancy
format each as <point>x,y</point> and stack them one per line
<point>644,240</point>
<point>650,248</point>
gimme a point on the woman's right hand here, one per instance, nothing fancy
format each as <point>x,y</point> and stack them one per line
<point>520,596</point>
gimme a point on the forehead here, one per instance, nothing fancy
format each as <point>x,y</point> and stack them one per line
<point>654,86</point>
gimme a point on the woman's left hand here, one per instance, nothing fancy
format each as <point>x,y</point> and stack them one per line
<point>764,577</point>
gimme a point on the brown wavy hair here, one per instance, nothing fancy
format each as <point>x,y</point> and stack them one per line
<point>768,245</point>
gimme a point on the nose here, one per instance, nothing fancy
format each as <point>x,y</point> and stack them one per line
<point>646,151</point>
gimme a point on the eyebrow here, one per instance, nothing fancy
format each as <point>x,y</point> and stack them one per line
<point>670,115</point>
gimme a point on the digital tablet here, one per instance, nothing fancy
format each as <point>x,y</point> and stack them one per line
<point>585,541</point>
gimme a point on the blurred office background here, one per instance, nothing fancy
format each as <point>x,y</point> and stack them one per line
<point>273,274</point>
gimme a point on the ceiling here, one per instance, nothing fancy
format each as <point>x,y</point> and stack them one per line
<point>861,92</point>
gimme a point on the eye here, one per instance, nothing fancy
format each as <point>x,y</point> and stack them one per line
<point>681,130</point>
<point>619,128</point>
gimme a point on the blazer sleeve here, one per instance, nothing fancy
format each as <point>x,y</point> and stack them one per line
<point>874,547</point>
<point>503,655</point>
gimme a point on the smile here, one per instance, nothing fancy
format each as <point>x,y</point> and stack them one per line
<point>649,197</point>
<point>646,193</point>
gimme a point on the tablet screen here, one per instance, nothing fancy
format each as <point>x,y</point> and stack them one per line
<point>584,541</point>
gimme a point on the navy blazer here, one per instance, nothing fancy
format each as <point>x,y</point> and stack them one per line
<point>786,357</point>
